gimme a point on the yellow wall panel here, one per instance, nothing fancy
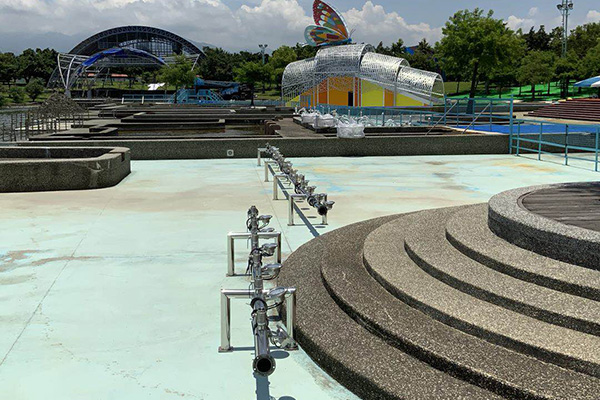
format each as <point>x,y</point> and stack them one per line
<point>372,94</point>
<point>407,101</point>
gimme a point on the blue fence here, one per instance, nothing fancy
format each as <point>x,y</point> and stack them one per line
<point>543,139</point>
<point>571,142</point>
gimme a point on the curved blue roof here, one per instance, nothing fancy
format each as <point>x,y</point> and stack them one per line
<point>122,53</point>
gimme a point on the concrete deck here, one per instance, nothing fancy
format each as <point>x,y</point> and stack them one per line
<point>113,293</point>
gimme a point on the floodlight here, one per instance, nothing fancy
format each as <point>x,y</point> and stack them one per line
<point>268,249</point>
<point>270,271</point>
<point>265,218</point>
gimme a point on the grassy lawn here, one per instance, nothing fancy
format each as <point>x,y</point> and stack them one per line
<point>543,92</point>
<point>272,94</point>
<point>27,99</point>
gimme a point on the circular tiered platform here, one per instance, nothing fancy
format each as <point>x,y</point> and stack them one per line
<point>472,302</point>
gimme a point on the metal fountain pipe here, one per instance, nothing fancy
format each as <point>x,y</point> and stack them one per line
<point>255,255</point>
<point>263,363</point>
<point>300,183</point>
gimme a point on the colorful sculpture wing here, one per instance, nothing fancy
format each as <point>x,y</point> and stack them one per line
<point>327,17</point>
<point>322,36</point>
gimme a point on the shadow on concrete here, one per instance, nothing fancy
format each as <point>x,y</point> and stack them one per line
<point>262,389</point>
<point>280,354</point>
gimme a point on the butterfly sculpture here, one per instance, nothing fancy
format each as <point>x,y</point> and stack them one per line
<point>330,28</point>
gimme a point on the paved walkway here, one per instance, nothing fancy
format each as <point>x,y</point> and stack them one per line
<point>113,293</point>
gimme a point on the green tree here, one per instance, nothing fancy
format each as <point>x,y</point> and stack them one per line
<point>477,41</point>
<point>34,88</point>
<point>9,68</point>
<point>303,51</point>
<point>397,49</point>
<point>280,59</point>
<point>539,40</point>
<point>556,39</point>
<point>536,68</point>
<point>36,64</point>
<point>423,57</point>
<point>16,94</point>
<point>590,64</point>
<point>179,74</point>
<point>565,69</point>
<point>217,64</point>
<point>2,100</point>
<point>583,38</point>
<point>253,73</point>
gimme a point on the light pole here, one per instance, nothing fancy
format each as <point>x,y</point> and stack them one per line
<point>565,9</point>
<point>263,47</point>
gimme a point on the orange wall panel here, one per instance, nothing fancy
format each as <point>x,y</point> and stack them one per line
<point>389,98</point>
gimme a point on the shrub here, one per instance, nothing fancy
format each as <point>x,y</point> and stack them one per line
<point>34,88</point>
<point>16,94</point>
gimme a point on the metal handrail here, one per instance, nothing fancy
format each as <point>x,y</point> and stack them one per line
<point>441,118</point>
<point>476,118</point>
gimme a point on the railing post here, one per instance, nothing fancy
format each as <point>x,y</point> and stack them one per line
<point>259,155</point>
<point>276,179</point>
<point>596,151</point>
<point>511,123</point>
<point>230,255</point>
<point>225,324</point>
<point>567,144</point>
<point>540,141</point>
<point>518,137</point>
<point>291,203</point>
<point>491,114</point>
<point>290,317</point>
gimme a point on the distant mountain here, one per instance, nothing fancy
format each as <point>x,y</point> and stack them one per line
<point>17,42</point>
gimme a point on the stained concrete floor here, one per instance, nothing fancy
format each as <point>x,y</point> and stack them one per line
<point>114,293</point>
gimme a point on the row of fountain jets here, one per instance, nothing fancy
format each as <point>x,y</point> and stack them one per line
<point>267,304</point>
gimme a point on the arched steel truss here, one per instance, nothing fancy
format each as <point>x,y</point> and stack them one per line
<point>138,37</point>
<point>339,66</point>
<point>158,42</point>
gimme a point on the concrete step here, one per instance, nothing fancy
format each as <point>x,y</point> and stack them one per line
<point>509,219</point>
<point>427,246</point>
<point>467,357</point>
<point>360,360</point>
<point>467,230</point>
<point>387,261</point>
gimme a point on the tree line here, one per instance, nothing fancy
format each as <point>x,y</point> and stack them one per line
<point>33,66</point>
<point>475,47</point>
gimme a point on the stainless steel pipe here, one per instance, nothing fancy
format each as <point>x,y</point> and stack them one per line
<point>263,363</point>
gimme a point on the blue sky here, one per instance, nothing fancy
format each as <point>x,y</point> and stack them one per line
<point>242,24</point>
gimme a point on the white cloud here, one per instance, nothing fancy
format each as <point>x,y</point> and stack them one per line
<point>515,23</point>
<point>274,22</point>
<point>533,11</point>
<point>373,24</point>
<point>592,16</point>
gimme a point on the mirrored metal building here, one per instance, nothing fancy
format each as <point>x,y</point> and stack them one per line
<point>354,75</point>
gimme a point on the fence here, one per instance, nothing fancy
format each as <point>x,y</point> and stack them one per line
<point>571,142</point>
<point>56,114</point>
<point>462,114</point>
<point>201,99</point>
